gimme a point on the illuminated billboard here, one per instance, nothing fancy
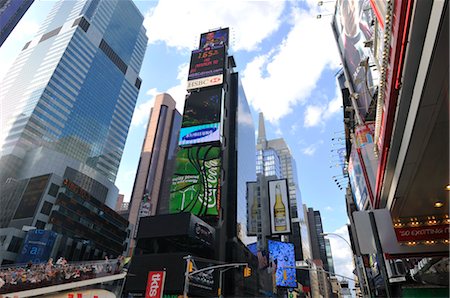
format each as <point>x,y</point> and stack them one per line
<point>214,38</point>
<point>280,218</point>
<point>252,208</point>
<point>281,254</point>
<point>37,246</point>
<point>351,26</point>
<point>205,82</point>
<point>202,107</point>
<point>199,134</point>
<point>357,182</point>
<point>196,181</point>
<point>207,63</point>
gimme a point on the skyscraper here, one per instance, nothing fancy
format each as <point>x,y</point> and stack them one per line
<point>11,11</point>
<point>73,88</point>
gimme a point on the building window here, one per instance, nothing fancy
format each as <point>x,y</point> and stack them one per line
<point>46,208</point>
<point>40,225</point>
<point>53,191</point>
<point>109,52</point>
<point>15,244</point>
<point>50,34</point>
<point>26,45</point>
<point>138,83</point>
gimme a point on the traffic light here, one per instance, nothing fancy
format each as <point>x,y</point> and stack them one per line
<point>284,274</point>
<point>190,268</point>
<point>247,271</point>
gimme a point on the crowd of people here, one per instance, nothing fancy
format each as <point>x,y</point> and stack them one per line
<point>29,276</point>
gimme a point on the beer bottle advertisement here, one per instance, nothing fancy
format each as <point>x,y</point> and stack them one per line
<point>252,208</point>
<point>279,207</point>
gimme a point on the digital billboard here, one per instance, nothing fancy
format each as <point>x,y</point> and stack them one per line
<point>202,107</point>
<point>205,82</point>
<point>281,254</point>
<point>214,38</point>
<point>37,246</point>
<point>252,208</point>
<point>199,134</point>
<point>280,218</point>
<point>207,63</point>
<point>357,182</point>
<point>196,181</point>
<point>351,25</point>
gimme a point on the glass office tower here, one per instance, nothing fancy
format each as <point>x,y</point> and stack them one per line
<point>74,86</point>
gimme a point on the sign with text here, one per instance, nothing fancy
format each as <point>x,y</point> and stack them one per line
<point>207,63</point>
<point>205,82</point>
<point>196,181</point>
<point>424,233</point>
<point>155,284</point>
<point>280,218</point>
<point>282,255</point>
<point>199,134</point>
<point>37,246</point>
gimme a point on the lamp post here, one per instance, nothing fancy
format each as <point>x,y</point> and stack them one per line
<point>355,262</point>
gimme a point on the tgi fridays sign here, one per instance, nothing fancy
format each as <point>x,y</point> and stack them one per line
<point>437,232</point>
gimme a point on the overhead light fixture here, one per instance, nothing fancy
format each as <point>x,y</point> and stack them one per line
<point>438,204</point>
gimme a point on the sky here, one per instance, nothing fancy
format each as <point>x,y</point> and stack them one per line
<point>287,59</point>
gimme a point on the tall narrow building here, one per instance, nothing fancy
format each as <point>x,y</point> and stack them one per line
<point>155,169</point>
<point>73,88</point>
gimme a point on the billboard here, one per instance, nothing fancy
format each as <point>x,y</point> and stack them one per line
<point>252,208</point>
<point>37,246</point>
<point>280,218</point>
<point>207,63</point>
<point>202,107</point>
<point>283,257</point>
<point>195,184</point>
<point>199,134</point>
<point>351,26</point>
<point>214,38</point>
<point>357,181</point>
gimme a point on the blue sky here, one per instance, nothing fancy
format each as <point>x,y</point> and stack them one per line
<point>287,59</point>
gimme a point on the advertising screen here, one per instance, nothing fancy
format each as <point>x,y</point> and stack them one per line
<point>281,254</point>
<point>199,134</point>
<point>252,208</point>
<point>202,107</point>
<point>351,24</point>
<point>37,246</point>
<point>196,181</point>
<point>214,38</point>
<point>207,63</point>
<point>280,218</point>
<point>357,182</point>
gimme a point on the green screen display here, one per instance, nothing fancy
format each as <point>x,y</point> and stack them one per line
<point>196,181</point>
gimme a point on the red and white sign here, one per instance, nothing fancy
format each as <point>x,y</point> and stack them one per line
<point>205,82</point>
<point>422,233</point>
<point>155,284</point>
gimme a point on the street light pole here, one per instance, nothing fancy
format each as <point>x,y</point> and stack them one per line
<point>358,272</point>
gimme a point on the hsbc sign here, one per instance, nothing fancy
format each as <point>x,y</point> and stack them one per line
<point>205,82</point>
<point>155,284</point>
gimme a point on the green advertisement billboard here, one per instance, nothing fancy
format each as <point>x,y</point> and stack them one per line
<point>196,181</point>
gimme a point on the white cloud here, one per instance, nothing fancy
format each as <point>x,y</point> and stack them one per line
<point>342,253</point>
<point>316,115</point>
<point>202,16</point>
<point>329,208</point>
<point>311,149</point>
<point>277,81</point>
<point>142,113</point>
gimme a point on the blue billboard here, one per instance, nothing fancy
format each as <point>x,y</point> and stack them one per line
<point>281,254</point>
<point>37,246</point>
<point>199,134</point>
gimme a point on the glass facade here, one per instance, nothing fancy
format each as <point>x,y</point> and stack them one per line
<point>246,160</point>
<point>74,87</point>
<point>268,163</point>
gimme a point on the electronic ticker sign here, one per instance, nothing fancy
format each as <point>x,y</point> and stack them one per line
<point>207,63</point>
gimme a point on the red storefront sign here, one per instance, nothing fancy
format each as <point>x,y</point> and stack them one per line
<point>155,284</point>
<point>422,233</point>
